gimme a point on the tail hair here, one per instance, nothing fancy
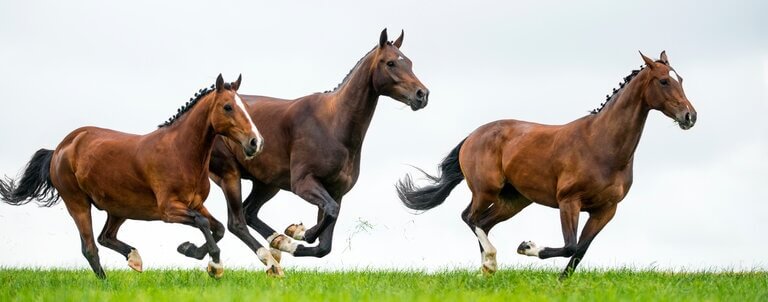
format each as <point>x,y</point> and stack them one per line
<point>433,194</point>
<point>35,183</point>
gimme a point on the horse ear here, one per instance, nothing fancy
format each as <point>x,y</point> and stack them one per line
<point>399,40</point>
<point>219,83</point>
<point>236,84</point>
<point>383,38</point>
<point>648,61</point>
<point>663,57</point>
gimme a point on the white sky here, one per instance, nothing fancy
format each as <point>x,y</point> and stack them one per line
<point>697,200</point>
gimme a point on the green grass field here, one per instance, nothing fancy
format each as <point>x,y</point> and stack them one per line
<point>517,284</point>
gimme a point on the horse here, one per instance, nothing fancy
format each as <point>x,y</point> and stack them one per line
<point>582,166</point>
<point>314,149</point>
<point>162,175</point>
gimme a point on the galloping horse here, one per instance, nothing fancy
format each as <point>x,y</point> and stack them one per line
<point>314,148</point>
<point>162,175</point>
<point>585,165</point>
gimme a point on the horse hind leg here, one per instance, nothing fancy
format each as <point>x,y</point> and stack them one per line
<point>108,238</point>
<point>508,204</point>
<point>79,207</point>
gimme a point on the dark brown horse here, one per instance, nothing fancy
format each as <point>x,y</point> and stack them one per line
<point>313,150</point>
<point>162,175</point>
<point>585,165</point>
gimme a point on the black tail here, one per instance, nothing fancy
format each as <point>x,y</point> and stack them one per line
<point>35,184</point>
<point>434,194</point>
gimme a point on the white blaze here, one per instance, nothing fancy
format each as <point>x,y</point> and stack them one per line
<point>240,104</point>
<point>673,75</point>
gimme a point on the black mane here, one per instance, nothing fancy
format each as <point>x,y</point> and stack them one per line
<point>191,103</point>
<point>610,97</point>
<point>353,69</point>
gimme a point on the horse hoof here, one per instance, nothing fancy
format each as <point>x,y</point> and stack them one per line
<point>275,272</point>
<point>275,242</point>
<point>488,271</point>
<point>528,248</point>
<point>276,253</point>
<point>134,261</point>
<point>215,270</point>
<point>296,231</point>
<point>188,249</point>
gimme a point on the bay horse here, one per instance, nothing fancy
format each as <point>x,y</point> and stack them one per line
<point>584,165</point>
<point>162,175</point>
<point>314,149</point>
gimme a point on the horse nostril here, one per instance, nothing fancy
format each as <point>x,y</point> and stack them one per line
<point>687,117</point>
<point>252,142</point>
<point>419,94</point>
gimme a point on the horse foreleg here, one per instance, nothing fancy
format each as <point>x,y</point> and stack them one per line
<point>191,250</point>
<point>569,220</point>
<point>313,192</point>
<point>323,246</point>
<point>108,238</point>
<point>597,220</point>
<point>177,212</point>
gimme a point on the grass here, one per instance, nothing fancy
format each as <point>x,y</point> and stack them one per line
<point>516,285</point>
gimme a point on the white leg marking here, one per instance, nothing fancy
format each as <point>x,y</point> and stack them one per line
<point>529,248</point>
<point>489,251</point>
<point>273,267</point>
<point>282,242</point>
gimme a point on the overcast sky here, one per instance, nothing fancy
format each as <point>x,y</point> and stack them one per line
<point>698,199</point>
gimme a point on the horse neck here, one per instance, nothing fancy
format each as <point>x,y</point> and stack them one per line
<point>618,127</point>
<point>191,136</point>
<point>353,104</point>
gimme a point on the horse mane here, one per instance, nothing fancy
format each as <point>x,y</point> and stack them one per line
<point>346,77</point>
<point>609,97</point>
<point>191,103</point>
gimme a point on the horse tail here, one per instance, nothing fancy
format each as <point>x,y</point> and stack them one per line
<point>35,183</point>
<point>432,195</point>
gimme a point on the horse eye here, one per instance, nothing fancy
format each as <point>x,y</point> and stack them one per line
<point>228,108</point>
<point>664,82</point>
<point>391,63</point>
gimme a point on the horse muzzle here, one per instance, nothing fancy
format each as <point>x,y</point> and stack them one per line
<point>420,99</point>
<point>686,119</point>
<point>254,146</point>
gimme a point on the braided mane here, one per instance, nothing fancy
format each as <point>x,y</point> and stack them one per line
<point>346,77</point>
<point>191,103</point>
<point>609,97</point>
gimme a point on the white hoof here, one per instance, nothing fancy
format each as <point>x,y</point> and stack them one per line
<point>528,248</point>
<point>296,231</point>
<point>215,270</point>
<point>134,261</point>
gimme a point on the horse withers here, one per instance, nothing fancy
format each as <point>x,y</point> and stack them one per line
<point>585,165</point>
<point>162,175</point>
